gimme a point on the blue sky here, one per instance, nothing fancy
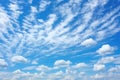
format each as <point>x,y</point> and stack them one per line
<point>59,39</point>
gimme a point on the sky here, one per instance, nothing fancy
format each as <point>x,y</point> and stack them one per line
<point>59,39</point>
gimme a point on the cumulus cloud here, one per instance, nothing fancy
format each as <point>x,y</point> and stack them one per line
<point>105,60</point>
<point>62,63</point>
<point>17,71</point>
<point>105,49</point>
<point>34,62</point>
<point>97,76</point>
<point>3,63</point>
<point>88,42</point>
<point>42,68</point>
<point>115,69</point>
<point>98,67</point>
<point>80,65</point>
<point>19,59</point>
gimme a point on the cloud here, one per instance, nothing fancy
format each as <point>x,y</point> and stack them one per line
<point>55,30</point>
<point>43,5</point>
<point>106,60</point>
<point>34,62</point>
<point>80,65</point>
<point>3,63</point>
<point>17,71</point>
<point>88,42</point>
<point>62,63</point>
<point>98,76</point>
<point>115,69</point>
<point>15,10</point>
<point>4,21</point>
<point>19,59</point>
<point>98,67</point>
<point>33,9</point>
<point>105,49</point>
<point>42,68</point>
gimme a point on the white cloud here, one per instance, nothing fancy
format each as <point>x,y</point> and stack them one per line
<point>79,65</point>
<point>97,76</point>
<point>105,49</point>
<point>56,75</point>
<point>42,68</point>
<point>3,63</point>
<point>43,5</point>
<point>115,69</point>
<point>4,20</point>
<point>105,60</point>
<point>34,62</point>
<point>100,35</point>
<point>13,7</point>
<point>62,63</point>
<point>33,9</point>
<point>61,35</point>
<point>19,59</point>
<point>98,67</point>
<point>88,42</point>
<point>59,75</point>
<point>17,71</point>
<point>51,20</point>
<point>15,10</point>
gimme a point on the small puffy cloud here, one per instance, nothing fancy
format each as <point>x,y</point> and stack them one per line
<point>3,63</point>
<point>19,59</point>
<point>43,68</point>
<point>105,60</point>
<point>79,65</point>
<point>33,9</point>
<point>98,67</point>
<point>105,49</point>
<point>97,76</point>
<point>59,73</point>
<point>62,63</point>
<point>88,42</point>
<point>56,75</point>
<point>115,69</point>
<point>17,71</point>
<point>34,62</point>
